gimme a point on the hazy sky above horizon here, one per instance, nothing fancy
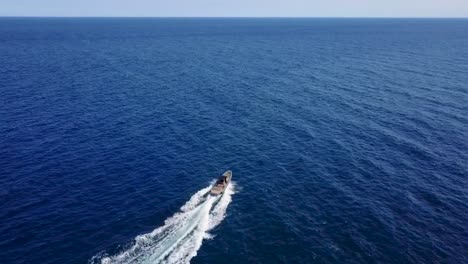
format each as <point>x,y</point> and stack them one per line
<point>237,8</point>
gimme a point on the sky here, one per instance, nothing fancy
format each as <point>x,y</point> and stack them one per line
<point>236,8</point>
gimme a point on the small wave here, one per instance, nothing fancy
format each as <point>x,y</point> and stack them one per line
<point>181,236</point>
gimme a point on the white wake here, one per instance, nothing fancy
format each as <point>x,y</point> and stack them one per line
<point>179,239</point>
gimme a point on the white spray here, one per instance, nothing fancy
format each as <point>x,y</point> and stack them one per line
<point>179,239</point>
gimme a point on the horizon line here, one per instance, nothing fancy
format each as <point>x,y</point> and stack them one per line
<point>334,17</point>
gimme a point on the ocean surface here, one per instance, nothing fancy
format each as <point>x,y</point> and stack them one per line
<point>347,138</point>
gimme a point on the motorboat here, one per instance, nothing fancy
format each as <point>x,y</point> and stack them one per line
<point>221,184</point>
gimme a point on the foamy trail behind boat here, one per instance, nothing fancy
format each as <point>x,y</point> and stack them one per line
<point>179,239</point>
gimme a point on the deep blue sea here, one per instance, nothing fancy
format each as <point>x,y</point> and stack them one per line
<point>347,138</point>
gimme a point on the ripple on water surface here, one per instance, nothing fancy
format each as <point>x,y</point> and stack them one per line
<point>347,139</point>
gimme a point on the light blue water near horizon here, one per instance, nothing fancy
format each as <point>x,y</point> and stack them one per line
<point>347,139</point>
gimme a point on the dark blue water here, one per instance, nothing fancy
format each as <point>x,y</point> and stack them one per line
<point>348,138</point>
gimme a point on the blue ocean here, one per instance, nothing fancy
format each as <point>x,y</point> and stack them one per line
<point>347,139</point>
